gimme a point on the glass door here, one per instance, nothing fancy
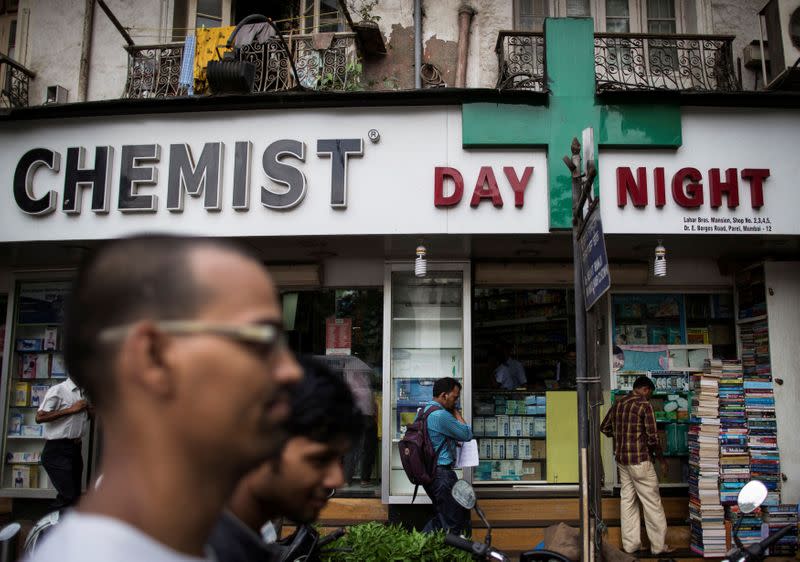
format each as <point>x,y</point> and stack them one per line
<point>426,319</point>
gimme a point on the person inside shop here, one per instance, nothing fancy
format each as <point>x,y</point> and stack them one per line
<point>509,373</point>
<point>178,344</point>
<point>360,385</point>
<point>566,370</point>
<point>446,427</point>
<point>324,424</point>
<point>631,422</point>
<point>64,412</point>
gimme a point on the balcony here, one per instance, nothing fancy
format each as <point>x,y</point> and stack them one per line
<point>688,63</point>
<point>520,57</point>
<point>15,80</point>
<point>627,62</point>
<point>323,62</point>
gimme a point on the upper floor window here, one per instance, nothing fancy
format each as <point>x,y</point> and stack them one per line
<point>209,13</point>
<point>615,16</point>
<point>321,16</point>
<point>529,14</point>
<point>618,16</point>
<point>661,16</point>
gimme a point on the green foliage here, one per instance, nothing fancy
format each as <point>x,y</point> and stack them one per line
<point>376,542</point>
<point>364,9</point>
<point>353,71</point>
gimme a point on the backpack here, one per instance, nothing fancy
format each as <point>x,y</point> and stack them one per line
<point>416,452</point>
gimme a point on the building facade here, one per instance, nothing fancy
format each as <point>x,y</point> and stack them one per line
<point>335,168</point>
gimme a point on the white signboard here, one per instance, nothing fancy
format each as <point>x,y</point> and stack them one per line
<point>737,172</point>
<point>263,173</point>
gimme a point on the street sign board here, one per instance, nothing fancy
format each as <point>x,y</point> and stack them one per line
<point>594,260</point>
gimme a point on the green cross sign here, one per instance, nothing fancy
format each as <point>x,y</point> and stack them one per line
<point>573,106</point>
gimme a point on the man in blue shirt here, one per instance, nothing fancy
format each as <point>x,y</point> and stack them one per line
<point>446,426</point>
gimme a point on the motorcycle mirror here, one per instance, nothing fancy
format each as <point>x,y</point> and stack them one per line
<point>464,494</point>
<point>751,496</point>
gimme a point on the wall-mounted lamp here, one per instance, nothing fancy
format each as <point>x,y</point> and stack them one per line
<point>660,261</point>
<point>420,265</point>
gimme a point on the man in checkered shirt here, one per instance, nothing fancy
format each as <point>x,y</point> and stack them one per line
<point>632,423</point>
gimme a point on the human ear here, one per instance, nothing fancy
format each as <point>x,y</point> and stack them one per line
<point>145,349</point>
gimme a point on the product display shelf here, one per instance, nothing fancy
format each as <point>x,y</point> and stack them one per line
<point>35,364</point>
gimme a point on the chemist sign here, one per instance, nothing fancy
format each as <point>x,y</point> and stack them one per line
<point>594,260</point>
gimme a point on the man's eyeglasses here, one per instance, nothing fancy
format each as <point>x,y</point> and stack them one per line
<point>264,337</point>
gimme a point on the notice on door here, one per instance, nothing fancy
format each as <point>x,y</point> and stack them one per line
<point>338,336</point>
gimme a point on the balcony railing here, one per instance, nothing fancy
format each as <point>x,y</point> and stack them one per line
<point>14,82</point>
<point>154,71</point>
<point>520,56</point>
<point>625,62</point>
<point>322,62</point>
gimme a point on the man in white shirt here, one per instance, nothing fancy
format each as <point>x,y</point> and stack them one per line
<point>178,343</point>
<point>509,373</point>
<point>64,413</point>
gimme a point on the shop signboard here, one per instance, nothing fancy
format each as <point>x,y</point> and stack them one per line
<point>735,174</point>
<point>594,261</point>
<point>264,173</point>
<point>338,336</point>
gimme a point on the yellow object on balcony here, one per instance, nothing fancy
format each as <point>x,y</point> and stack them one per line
<point>208,39</point>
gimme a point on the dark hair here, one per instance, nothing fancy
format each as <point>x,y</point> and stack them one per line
<point>125,281</point>
<point>642,382</point>
<point>445,384</point>
<point>323,407</point>
<point>571,348</point>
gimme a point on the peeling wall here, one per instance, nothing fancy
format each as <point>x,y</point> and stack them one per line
<point>739,18</point>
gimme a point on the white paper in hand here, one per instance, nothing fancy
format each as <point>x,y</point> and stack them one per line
<point>467,454</point>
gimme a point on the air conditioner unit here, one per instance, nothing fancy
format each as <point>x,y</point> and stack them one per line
<point>56,94</point>
<point>781,19</point>
<point>752,55</point>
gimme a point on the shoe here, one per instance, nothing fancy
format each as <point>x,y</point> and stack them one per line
<point>667,550</point>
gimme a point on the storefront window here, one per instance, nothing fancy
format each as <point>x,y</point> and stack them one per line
<point>344,328</point>
<point>524,402</point>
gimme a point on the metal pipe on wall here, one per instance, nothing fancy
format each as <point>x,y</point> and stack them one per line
<point>86,50</point>
<point>465,14</point>
<point>418,44</point>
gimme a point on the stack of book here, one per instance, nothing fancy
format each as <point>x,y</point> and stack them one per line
<point>749,527</point>
<point>760,409</point>
<point>778,517</point>
<point>733,451</point>
<point>706,514</point>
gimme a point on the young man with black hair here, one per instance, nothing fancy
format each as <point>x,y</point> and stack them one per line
<point>178,343</point>
<point>446,427</point>
<point>632,423</point>
<point>323,425</point>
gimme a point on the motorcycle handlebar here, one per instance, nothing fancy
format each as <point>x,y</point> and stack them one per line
<point>327,539</point>
<point>772,539</point>
<point>462,543</point>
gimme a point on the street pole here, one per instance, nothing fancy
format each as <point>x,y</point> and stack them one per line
<point>580,354</point>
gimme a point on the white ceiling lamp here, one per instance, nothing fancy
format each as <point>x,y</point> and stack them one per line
<point>420,265</point>
<point>660,261</point>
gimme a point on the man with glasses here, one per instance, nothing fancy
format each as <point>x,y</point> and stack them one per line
<point>178,344</point>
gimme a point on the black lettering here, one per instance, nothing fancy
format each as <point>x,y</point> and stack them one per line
<point>339,150</point>
<point>194,178</point>
<point>132,176</point>
<point>23,181</point>
<point>97,178</point>
<point>284,174</point>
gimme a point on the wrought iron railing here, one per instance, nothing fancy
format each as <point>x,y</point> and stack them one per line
<point>521,60</point>
<point>14,82</point>
<point>322,62</point>
<point>631,61</point>
<point>154,71</point>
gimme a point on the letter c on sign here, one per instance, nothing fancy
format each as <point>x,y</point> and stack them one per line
<point>23,181</point>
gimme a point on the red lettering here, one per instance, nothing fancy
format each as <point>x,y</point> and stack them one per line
<point>626,184</point>
<point>756,176</point>
<point>518,185</point>
<point>439,198</point>
<point>691,195</point>
<point>729,187</point>
<point>659,187</point>
<point>486,188</point>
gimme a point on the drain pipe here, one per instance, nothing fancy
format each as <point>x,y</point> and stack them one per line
<point>418,44</point>
<point>86,50</point>
<point>465,14</point>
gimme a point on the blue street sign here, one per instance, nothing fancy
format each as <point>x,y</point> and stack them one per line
<point>594,260</point>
